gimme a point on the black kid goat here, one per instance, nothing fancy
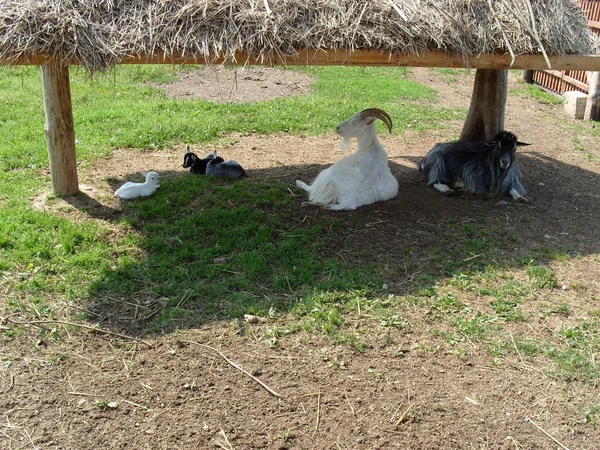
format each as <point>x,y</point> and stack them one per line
<point>195,164</point>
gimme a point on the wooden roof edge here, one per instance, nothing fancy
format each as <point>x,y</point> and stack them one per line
<point>340,57</point>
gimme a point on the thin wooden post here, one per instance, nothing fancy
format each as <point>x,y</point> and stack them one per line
<point>60,130</point>
<point>528,76</point>
<point>488,103</point>
<point>593,101</point>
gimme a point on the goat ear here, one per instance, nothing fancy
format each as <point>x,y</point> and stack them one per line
<point>143,173</point>
<point>522,144</point>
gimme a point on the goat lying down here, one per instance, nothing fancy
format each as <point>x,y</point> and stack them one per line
<point>481,167</point>
<point>361,178</point>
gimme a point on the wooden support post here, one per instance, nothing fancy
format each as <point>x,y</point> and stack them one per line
<point>528,76</point>
<point>488,103</point>
<point>60,129</point>
<point>593,102</point>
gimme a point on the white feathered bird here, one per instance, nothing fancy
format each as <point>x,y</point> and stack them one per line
<point>133,190</point>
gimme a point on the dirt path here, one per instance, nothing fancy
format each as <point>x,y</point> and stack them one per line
<point>400,393</point>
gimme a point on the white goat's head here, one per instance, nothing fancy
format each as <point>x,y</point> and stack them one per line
<point>360,122</point>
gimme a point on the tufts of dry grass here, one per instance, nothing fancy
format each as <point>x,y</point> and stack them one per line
<point>98,33</point>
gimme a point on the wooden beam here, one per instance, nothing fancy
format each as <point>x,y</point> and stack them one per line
<point>594,24</point>
<point>60,130</point>
<point>593,102</point>
<point>353,58</point>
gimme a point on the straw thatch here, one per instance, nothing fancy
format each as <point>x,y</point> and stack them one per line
<point>98,33</point>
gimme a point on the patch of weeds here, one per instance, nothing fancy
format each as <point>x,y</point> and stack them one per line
<point>275,333</point>
<point>578,287</point>
<point>507,298</point>
<point>104,404</point>
<point>424,349</point>
<point>497,349</point>
<point>592,415</point>
<point>459,351</point>
<point>573,365</point>
<point>12,333</point>
<point>541,277</point>
<point>573,335</point>
<point>334,362</point>
<point>535,92</point>
<point>287,436</point>
<point>586,150</point>
<point>390,319</point>
<point>352,341</point>
<point>508,309</point>
<point>476,328</point>
<point>447,303</point>
<point>464,281</point>
<point>528,347</point>
<point>564,309</point>
<point>54,334</point>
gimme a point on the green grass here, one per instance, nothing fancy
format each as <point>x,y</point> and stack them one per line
<point>449,75</point>
<point>215,250</point>
<point>535,92</point>
<point>131,113</point>
<point>171,241</point>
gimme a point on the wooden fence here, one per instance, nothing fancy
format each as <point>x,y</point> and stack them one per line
<point>571,80</point>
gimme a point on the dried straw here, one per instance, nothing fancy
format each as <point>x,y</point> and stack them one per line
<point>98,33</point>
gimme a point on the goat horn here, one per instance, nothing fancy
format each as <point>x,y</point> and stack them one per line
<point>380,114</point>
<point>519,143</point>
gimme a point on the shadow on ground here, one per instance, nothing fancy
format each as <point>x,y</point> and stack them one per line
<point>217,249</point>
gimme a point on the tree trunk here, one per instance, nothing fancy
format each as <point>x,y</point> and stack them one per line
<point>528,76</point>
<point>488,103</point>
<point>60,130</point>
<point>592,106</point>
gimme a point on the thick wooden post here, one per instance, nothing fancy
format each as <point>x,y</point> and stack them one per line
<point>60,130</point>
<point>528,76</point>
<point>488,103</point>
<point>593,101</point>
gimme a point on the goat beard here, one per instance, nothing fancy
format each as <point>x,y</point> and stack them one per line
<point>345,143</point>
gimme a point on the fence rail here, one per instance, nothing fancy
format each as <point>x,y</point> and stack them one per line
<point>571,80</point>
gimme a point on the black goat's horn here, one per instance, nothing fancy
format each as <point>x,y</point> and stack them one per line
<point>519,143</point>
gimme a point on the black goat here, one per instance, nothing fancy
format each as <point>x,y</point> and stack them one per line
<point>217,167</point>
<point>195,164</point>
<point>481,167</point>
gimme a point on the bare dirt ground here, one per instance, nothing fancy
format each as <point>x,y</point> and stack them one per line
<point>178,395</point>
<point>239,85</point>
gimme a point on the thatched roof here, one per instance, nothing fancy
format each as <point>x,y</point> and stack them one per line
<point>98,33</point>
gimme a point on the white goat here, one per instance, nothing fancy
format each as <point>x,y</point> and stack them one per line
<point>134,190</point>
<point>361,178</point>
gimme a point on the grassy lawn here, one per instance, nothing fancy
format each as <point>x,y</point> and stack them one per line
<point>215,251</point>
<point>45,257</point>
